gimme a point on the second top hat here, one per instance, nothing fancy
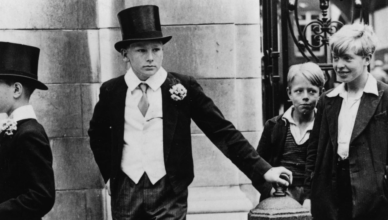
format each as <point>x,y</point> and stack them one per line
<point>140,23</point>
<point>20,61</point>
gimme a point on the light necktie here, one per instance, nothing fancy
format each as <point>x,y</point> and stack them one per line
<point>143,103</point>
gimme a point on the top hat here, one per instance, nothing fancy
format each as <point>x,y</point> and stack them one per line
<point>140,23</point>
<point>19,61</point>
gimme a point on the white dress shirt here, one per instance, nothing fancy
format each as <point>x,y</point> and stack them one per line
<point>143,135</point>
<point>348,113</point>
<point>23,112</point>
<point>299,137</point>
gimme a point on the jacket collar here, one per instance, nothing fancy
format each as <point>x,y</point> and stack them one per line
<point>370,87</point>
<point>368,104</point>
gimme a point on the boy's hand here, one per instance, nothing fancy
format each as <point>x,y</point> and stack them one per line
<point>273,175</point>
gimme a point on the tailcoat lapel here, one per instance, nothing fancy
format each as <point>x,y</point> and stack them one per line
<point>333,108</point>
<point>368,105</point>
<point>170,116</point>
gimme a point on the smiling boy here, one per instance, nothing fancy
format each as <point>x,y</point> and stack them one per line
<point>347,154</point>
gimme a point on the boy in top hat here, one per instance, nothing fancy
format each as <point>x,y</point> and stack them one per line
<point>140,130</point>
<point>27,188</point>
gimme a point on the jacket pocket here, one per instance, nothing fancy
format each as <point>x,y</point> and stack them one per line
<point>382,116</point>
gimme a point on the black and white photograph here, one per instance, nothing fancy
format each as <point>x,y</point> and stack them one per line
<point>193,110</point>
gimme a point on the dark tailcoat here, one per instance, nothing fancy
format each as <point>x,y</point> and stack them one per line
<point>367,158</point>
<point>27,188</point>
<point>107,130</point>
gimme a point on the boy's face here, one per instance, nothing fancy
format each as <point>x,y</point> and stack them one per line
<point>349,66</point>
<point>6,97</point>
<point>145,57</point>
<point>303,94</point>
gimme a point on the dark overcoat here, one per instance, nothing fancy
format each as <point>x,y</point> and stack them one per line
<point>271,148</point>
<point>107,131</point>
<point>27,189</point>
<point>367,157</point>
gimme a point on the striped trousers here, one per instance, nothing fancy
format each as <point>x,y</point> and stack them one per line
<point>144,201</point>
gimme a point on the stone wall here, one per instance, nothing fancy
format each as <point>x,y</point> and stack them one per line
<point>217,41</point>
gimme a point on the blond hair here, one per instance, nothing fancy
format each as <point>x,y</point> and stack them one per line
<point>359,38</point>
<point>311,71</point>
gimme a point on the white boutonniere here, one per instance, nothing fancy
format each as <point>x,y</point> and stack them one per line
<point>178,91</point>
<point>9,126</point>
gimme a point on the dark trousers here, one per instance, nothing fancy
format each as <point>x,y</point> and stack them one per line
<point>144,201</point>
<point>344,190</point>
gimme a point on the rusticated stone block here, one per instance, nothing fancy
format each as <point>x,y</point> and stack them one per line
<point>95,204</point>
<point>65,56</point>
<point>77,205</point>
<point>68,205</point>
<point>59,110</point>
<point>249,104</point>
<point>203,51</point>
<point>251,193</point>
<point>89,93</point>
<point>217,199</point>
<point>46,14</point>
<point>222,92</point>
<point>107,12</point>
<point>112,64</point>
<point>28,37</point>
<point>74,164</point>
<point>248,55</point>
<point>69,56</point>
<point>247,12</point>
<point>210,162</point>
<point>191,12</point>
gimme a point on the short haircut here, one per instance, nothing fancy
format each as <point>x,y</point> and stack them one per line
<point>359,38</point>
<point>311,71</point>
<point>27,87</point>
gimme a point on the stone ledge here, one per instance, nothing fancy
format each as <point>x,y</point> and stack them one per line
<point>227,199</point>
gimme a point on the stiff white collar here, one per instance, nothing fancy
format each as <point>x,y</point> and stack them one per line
<point>23,112</point>
<point>370,87</point>
<point>154,82</point>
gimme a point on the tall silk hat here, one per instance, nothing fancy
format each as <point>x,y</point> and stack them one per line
<point>141,23</point>
<point>18,61</point>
